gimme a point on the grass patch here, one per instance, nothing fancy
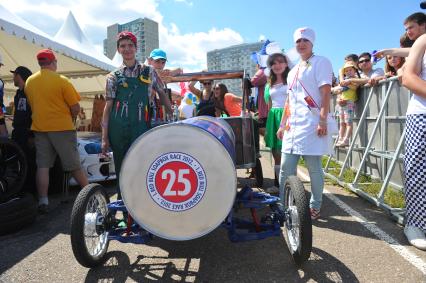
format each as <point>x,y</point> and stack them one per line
<point>392,197</point>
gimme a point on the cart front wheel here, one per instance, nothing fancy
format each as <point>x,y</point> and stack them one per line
<point>298,225</point>
<point>89,236</point>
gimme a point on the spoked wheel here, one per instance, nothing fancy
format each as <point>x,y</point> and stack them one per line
<point>259,173</point>
<point>13,169</point>
<point>298,225</point>
<point>89,235</point>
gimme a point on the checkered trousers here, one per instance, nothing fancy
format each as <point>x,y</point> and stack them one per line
<point>415,170</point>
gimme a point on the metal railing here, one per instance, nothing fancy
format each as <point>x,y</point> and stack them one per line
<point>377,143</point>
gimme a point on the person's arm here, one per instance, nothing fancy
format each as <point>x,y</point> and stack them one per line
<point>284,117</point>
<point>356,81</point>
<point>259,78</point>
<point>104,124</point>
<point>194,90</point>
<point>325,91</point>
<point>75,109</point>
<point>175,72</point>
<point>411,78</point>
<point>158,86</point>
<point>400,52</point>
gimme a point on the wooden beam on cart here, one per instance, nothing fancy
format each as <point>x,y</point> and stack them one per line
<point>206,76</point>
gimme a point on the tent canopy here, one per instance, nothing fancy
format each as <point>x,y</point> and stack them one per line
<point>20,41</point>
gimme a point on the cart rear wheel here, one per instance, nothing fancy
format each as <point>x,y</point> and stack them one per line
<point>13,169</point>
<point>259,173</point>
<point>89,237</point>
<point>298,225</point>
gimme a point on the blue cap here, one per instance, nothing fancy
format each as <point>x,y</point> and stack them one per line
<point>158,54</point>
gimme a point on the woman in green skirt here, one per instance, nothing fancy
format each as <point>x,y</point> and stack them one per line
<point>275,96</point>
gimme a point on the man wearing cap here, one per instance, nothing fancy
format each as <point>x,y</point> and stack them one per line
<point>21,132</point>
<point>55,105</point>
<point>3,129</point>
<point>126,114</point>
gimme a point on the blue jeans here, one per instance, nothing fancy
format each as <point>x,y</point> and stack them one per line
<point>313,162</point>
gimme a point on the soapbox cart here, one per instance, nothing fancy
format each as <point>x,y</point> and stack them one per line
<point>178,181</point>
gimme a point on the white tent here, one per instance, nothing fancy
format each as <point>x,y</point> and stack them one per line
<point>71,35</point>
<point>20,41</point>
<point>117,60</point>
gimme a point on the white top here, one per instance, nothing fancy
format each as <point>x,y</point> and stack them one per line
<point>278,94</point>
<point>372,74</point>
<point>417,103</point>
<point>302,137</point>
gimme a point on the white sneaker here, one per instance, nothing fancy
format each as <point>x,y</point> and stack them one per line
<point>273,190</point>
<point>416,237</point>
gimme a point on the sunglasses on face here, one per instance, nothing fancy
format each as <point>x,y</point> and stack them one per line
<point>363,61</point>
<point>207,83</point>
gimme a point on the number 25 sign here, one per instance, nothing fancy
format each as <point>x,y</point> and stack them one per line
<point>176,181</point>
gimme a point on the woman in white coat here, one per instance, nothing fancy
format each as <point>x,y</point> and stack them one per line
<point>303,126</point>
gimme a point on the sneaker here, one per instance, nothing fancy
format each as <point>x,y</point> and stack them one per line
<point>43,209</point>
<point>315,213</point>
<point>273,190</point>
<point>416,237</point>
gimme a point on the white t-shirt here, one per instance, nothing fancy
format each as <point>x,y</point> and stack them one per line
<point>417,103</point>
<point>373,73</point>
<point>302,137</point>
<point>278,94</point>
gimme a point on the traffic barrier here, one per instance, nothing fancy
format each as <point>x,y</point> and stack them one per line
<point>376,147</point>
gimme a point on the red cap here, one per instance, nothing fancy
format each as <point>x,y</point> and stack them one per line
<point>46,54</point>
<point>127,35</point>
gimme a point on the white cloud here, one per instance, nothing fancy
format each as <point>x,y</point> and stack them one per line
<point>184,50</point>
<point>262,37</point>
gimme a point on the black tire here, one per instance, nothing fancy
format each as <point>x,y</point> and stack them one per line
<point>90,203</point>
<point>298,225</point>
<point>17,213</point>
<point>259,173</point>
<point>13,169</point>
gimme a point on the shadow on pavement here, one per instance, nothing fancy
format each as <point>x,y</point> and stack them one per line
<point>214,259</point>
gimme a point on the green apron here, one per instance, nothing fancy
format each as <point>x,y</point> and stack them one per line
<point>129,117</point>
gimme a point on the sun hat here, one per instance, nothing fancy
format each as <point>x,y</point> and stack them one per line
<point>349,64</point>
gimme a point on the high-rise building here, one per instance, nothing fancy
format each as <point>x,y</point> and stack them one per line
<point>146,32</point>
<point>236,57</point>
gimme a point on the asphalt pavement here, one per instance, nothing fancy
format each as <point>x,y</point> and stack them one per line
<point>353,241</point>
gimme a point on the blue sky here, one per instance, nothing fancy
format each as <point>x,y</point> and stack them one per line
<point>190,28</point>
<point>341,26</point>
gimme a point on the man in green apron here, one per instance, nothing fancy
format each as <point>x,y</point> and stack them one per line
<point>126,113</point>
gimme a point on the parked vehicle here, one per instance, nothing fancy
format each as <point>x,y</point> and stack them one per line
<point>98,167</point>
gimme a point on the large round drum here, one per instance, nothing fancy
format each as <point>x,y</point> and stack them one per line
<point>178,181</point>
